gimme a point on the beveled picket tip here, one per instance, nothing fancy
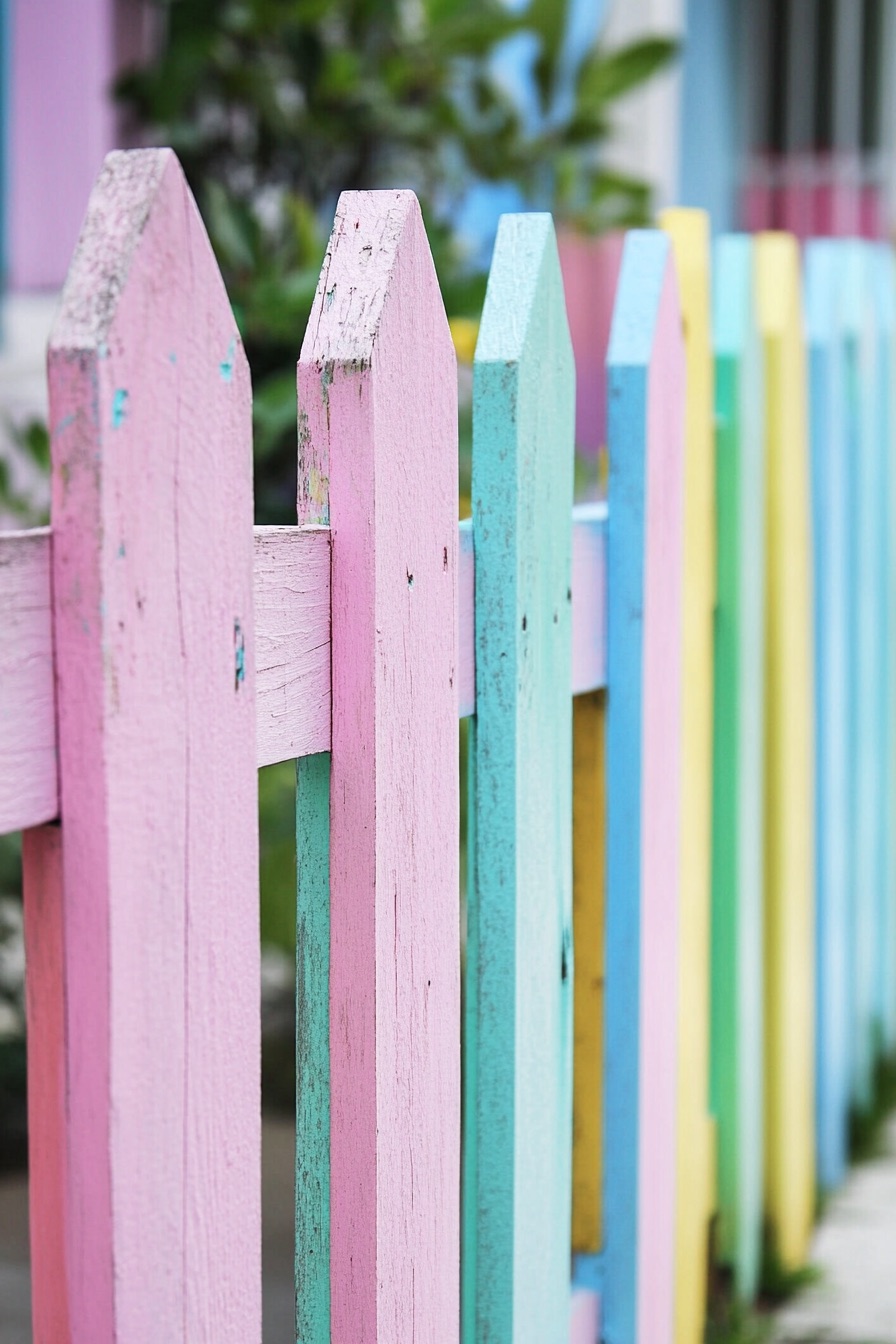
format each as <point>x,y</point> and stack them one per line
<point>378,248</point>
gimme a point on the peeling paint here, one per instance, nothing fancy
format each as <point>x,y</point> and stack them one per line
<point>119,407</point>
<point>226,365</point>
<point>240,655</point>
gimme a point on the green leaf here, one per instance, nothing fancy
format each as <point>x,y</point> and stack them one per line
<point>604,77</point>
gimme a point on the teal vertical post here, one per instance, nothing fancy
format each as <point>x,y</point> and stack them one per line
<point>312,1264</point>
<point>517,1160</point>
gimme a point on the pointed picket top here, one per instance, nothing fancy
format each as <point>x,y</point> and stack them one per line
<point>518,1086</point>
<point>378,248</point>
<point>646,378</point>
<point>150,423</point>
<point>377,397</point>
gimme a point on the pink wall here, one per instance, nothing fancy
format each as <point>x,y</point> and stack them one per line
<point>64,56</point>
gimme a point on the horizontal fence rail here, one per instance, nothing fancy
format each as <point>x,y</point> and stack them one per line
<point>292,613</point>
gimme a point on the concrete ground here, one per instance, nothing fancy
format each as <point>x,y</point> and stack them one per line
<point>853,1302</point>
<point>854,1250</point>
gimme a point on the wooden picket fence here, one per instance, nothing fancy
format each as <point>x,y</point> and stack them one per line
<point>680,926</point>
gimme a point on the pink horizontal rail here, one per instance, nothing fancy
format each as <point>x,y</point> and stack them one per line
<point>292,613</point>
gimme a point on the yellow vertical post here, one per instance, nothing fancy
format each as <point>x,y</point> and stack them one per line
<point>695,1175</point>
<point>589,883</point>
<point>789,768</point>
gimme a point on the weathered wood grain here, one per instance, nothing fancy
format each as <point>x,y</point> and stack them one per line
<point>312,1249</point>
<point>518,992</point>
<point>378,463</point>
<point>28,786</point>
<point>292,620</point>
<point>736,1030</point>
<point>47,1136</point>
<point>831,467</point>
<point>695,1199</point>
<point>292,617</point>
<point>789,758</point>
<point>644,556</point>
<point>155,673</point>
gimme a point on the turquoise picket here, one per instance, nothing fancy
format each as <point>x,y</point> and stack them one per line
<point>312,1173</point>
<point>825,277</point>
<point>517,1161</point>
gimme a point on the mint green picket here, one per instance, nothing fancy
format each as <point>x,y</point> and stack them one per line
<point>518,1066</point>
<point>312,1250</point>
<point>736,990</point>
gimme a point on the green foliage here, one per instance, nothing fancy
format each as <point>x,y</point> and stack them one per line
<point>277,841</point>
<point>777,1284</point>
<point>32,442</point>
<point>275,106</point>
<point>867,1127</point>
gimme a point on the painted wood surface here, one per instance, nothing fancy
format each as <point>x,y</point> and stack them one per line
<point>736,1024</point>
<point>378,461</point>
<point>589,861</point>
<point>518,999</point>
<point>646,374</point>
<point>292,618</point>
<point>866,598</point>
<point>884,288</point>
<point>584,1317</point>
<point>155,649</point>
<point>695,1200</point>
<point>789,758</point>
<point>292,606</point>
<point>28,785</point>
<point>312,1249</point>
<point>831,468</point>
<point>879,392</point>
<point>47,1138</point>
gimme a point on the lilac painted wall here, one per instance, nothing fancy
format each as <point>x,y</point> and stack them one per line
<point>63,59</point>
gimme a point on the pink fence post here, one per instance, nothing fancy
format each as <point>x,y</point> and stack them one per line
<point>378,447</point>
<point>150,417</point>
<point>47,1141</point>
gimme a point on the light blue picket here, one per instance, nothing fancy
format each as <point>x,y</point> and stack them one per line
<point>518,1064</point>
<point>645,366</point>
<point>883,284</point>
<point>866,601</point>
<point>736,1084</point>
<point>826,274</point>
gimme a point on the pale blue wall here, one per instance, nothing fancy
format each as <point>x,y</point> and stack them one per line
<point>710,124</point>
